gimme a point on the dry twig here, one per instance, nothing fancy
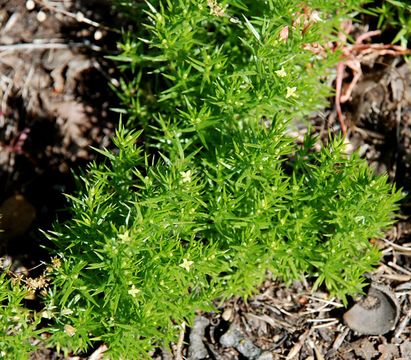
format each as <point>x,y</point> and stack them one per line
<point>45,46</point>
<point>180,343</point>
<point>297,347</point>
<point>354,55</point>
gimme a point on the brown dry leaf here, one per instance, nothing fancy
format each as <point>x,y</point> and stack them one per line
<point>99,353</point>
<point>70,330</point>
<point>388,351</point>
<point>75,120</point>
<point>284,33</point>
<point>365,349</point>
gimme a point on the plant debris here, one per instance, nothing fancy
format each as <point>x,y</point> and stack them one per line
<point>54,105</point>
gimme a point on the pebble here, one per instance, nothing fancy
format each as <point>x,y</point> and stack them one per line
<point>30,5</point>
<point>235,338</point>
<point>41,16</point>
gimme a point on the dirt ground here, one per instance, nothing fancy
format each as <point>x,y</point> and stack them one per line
<point>55,104</point>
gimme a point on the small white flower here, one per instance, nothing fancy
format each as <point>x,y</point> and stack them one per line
<point>133,291</point>
<point>315,17</point>
<point>125,237</point>
<point>186,264</point>
<point>291,92</point>
<point>186,176</point>
<point>281,72</point>
<point>66,312</point>
<point>47,314</point>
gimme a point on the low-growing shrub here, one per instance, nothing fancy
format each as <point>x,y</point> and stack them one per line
<point>206,192</point>
<point>18,324</point>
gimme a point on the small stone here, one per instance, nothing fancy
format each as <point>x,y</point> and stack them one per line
<point>30,5</point>
<point>232,337</point>
<point>266,355</point>
<point>227,314</point>
<point>235,338</point>
<point>98,35</point>
<point>248,349</point>
<point>41,16</point>
<point>405,348</point>
<point>197,350</point>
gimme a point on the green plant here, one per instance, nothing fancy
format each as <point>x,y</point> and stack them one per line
<point>395,16</point>
<point>216,193</point>
<point>17,323</point>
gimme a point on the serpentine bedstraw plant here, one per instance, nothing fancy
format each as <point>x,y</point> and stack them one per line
<point>17,323</point>
<point>206,191</point>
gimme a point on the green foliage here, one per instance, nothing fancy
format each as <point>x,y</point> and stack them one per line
<point>216,193</point>
<point>394,15</point>
<point>200,71</point>
<point>17,323</point>
<point>150,244</point>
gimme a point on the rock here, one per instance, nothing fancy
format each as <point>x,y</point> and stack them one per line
<point>266,355</point>
<point>377,314</point>
<point>235,338</point>
<point>197,349</point>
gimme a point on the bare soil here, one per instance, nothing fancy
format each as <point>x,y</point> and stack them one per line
<point>55,103</point>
